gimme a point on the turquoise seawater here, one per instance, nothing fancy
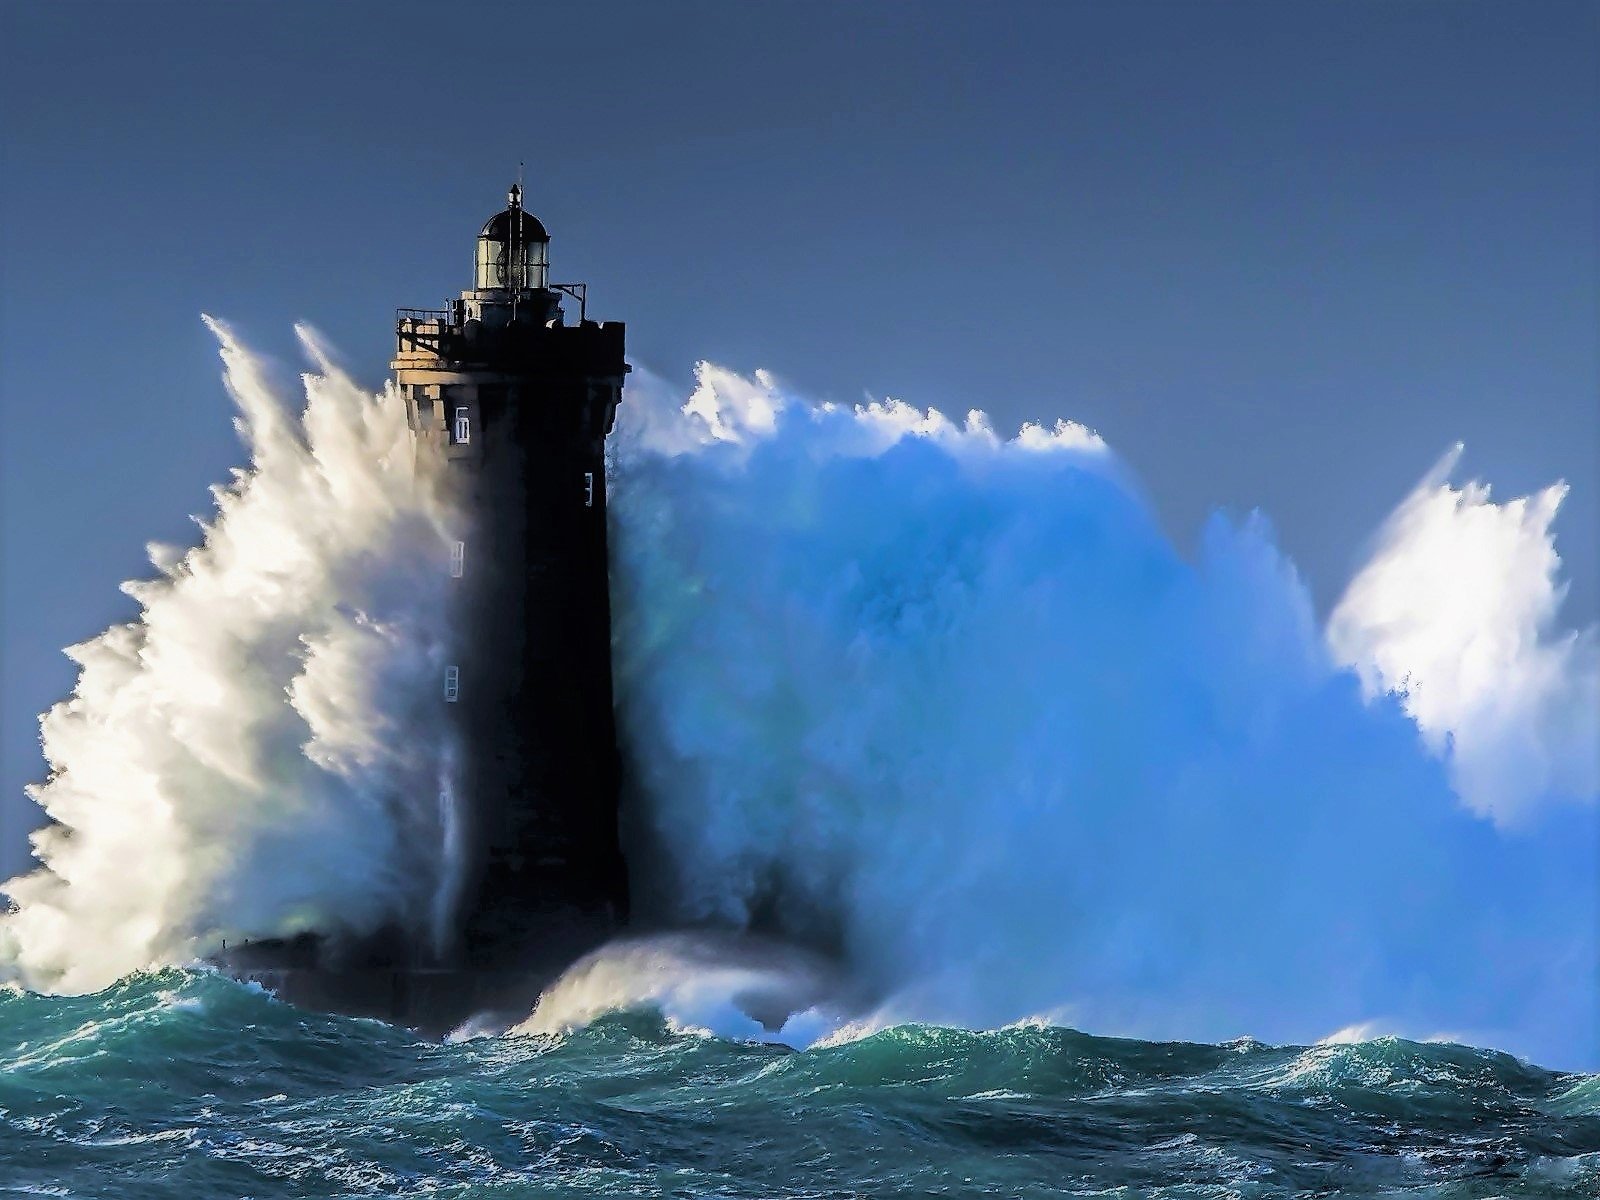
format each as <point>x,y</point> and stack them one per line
<point>182,1084</point>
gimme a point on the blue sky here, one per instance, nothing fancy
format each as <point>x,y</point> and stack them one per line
<point>1281,256</point>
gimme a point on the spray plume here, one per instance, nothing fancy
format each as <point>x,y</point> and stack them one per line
<point>254,755</point>
<point>955,705</point>
<point>1456,613</point>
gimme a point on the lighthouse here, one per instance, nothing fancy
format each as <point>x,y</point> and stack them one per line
<point>519,402</point>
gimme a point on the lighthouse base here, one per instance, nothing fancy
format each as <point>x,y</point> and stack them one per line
<point>432,999</point>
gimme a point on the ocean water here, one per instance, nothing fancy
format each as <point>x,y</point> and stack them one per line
<point>183,1084</point>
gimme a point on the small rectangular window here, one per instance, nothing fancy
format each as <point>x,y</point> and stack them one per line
<point>458,559</point>
<point>588,489</point>
<point>452,684</point>
<point>463,427</point>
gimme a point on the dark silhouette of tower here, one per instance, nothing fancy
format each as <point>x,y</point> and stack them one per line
<point>520,403</point>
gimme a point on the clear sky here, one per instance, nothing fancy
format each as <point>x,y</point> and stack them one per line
<point>1280,255</point>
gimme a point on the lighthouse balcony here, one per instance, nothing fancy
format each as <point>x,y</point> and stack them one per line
<point>421,332</point>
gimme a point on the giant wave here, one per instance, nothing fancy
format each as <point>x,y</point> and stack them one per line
<point>946,704</point>
<point>955,704</point>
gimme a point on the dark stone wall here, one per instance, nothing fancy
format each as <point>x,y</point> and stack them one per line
<point>534,725</point>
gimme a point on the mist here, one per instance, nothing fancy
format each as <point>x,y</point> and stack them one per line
<point>953,704</point>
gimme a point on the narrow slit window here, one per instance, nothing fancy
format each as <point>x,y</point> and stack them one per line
<point>463,427</point>
<point>458,559</point>
<point>588,489</point>
<point>452,684</point>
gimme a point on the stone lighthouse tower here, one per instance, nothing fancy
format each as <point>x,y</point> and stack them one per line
<point>519,402</point>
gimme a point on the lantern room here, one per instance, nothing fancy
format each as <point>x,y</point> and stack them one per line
<point>513,250</point>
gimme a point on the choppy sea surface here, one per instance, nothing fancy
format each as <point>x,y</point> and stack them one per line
<point>185,1084</point>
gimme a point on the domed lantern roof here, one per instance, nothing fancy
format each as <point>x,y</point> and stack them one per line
<point>513,250</point>
<point>529,227</point>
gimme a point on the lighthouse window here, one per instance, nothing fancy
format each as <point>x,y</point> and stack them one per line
<point>463,429</point>
<point>537,265</point>
<point>452,684</point>
<point>458,559</point>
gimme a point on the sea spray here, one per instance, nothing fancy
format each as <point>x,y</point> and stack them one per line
<point>947,703</point>
<point>705,982</point>
<point>1457,614</point>
<point>451,875</point>
<point>256,754</point>
<point>955,704</point>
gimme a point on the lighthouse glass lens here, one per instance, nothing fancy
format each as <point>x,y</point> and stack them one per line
<point>491,263</point>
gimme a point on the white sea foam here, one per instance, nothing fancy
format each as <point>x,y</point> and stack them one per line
<point>703,982</point>
<point>258,753</point>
